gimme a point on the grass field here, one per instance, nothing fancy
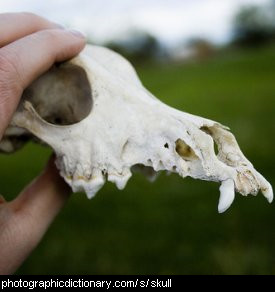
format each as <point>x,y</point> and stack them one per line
<point>171,226</point>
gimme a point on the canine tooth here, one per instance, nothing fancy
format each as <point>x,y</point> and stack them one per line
<point>227,195</point>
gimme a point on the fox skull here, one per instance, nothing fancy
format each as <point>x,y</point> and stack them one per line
<point>102,123</point>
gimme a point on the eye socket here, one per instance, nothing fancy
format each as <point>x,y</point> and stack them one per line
<point>61,96</point>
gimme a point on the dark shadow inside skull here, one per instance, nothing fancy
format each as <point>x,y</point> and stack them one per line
<point>61,96</point>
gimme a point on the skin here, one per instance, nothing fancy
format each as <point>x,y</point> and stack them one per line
<point>29,46</point>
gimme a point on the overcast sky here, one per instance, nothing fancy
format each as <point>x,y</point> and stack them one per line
<point>172,21</point>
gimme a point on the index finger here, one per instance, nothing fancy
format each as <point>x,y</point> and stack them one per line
<point>25,59</point>
<point>14,26</point>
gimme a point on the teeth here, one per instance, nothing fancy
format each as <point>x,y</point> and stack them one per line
<point>268,193</point>
<point>120,180</point>
<point>227,195</point>
<point>94,186</point>
<point>265,187</point>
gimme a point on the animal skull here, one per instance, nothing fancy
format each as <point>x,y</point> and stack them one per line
<point>101,122</point>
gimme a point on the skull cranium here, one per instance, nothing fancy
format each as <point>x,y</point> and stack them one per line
<point>101,122</point>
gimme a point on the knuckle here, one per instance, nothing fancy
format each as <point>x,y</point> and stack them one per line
<point>39,22</point>
<point>6,63</point>
<point>10,80</point>
<point>31,16</point>
<point>49,35</point>
<point>53,39</point>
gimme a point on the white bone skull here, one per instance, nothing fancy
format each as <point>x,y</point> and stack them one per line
<point>101,122</point>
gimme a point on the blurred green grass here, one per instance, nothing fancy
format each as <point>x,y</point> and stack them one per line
<point>171,226</point>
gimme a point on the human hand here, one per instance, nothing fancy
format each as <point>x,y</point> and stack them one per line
<point>29,46</point>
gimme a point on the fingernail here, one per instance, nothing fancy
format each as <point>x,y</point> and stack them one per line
<point>77,33</point>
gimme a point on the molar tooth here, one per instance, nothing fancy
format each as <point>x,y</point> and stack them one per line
<point>76,186</point>
<point>227,195</point>
<point>120,180</point>
<point>94,184</point>
<point>81,183</point>
<point>87,173</point>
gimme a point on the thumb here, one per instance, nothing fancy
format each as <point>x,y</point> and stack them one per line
<point>44,197</point>
<point>25,220</point>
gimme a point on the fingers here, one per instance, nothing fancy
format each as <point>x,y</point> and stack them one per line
<point>29,45</point>
<point>25,59</point>
<point>14,26</point>
<point>41,201</point>
<point>25,220</point>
